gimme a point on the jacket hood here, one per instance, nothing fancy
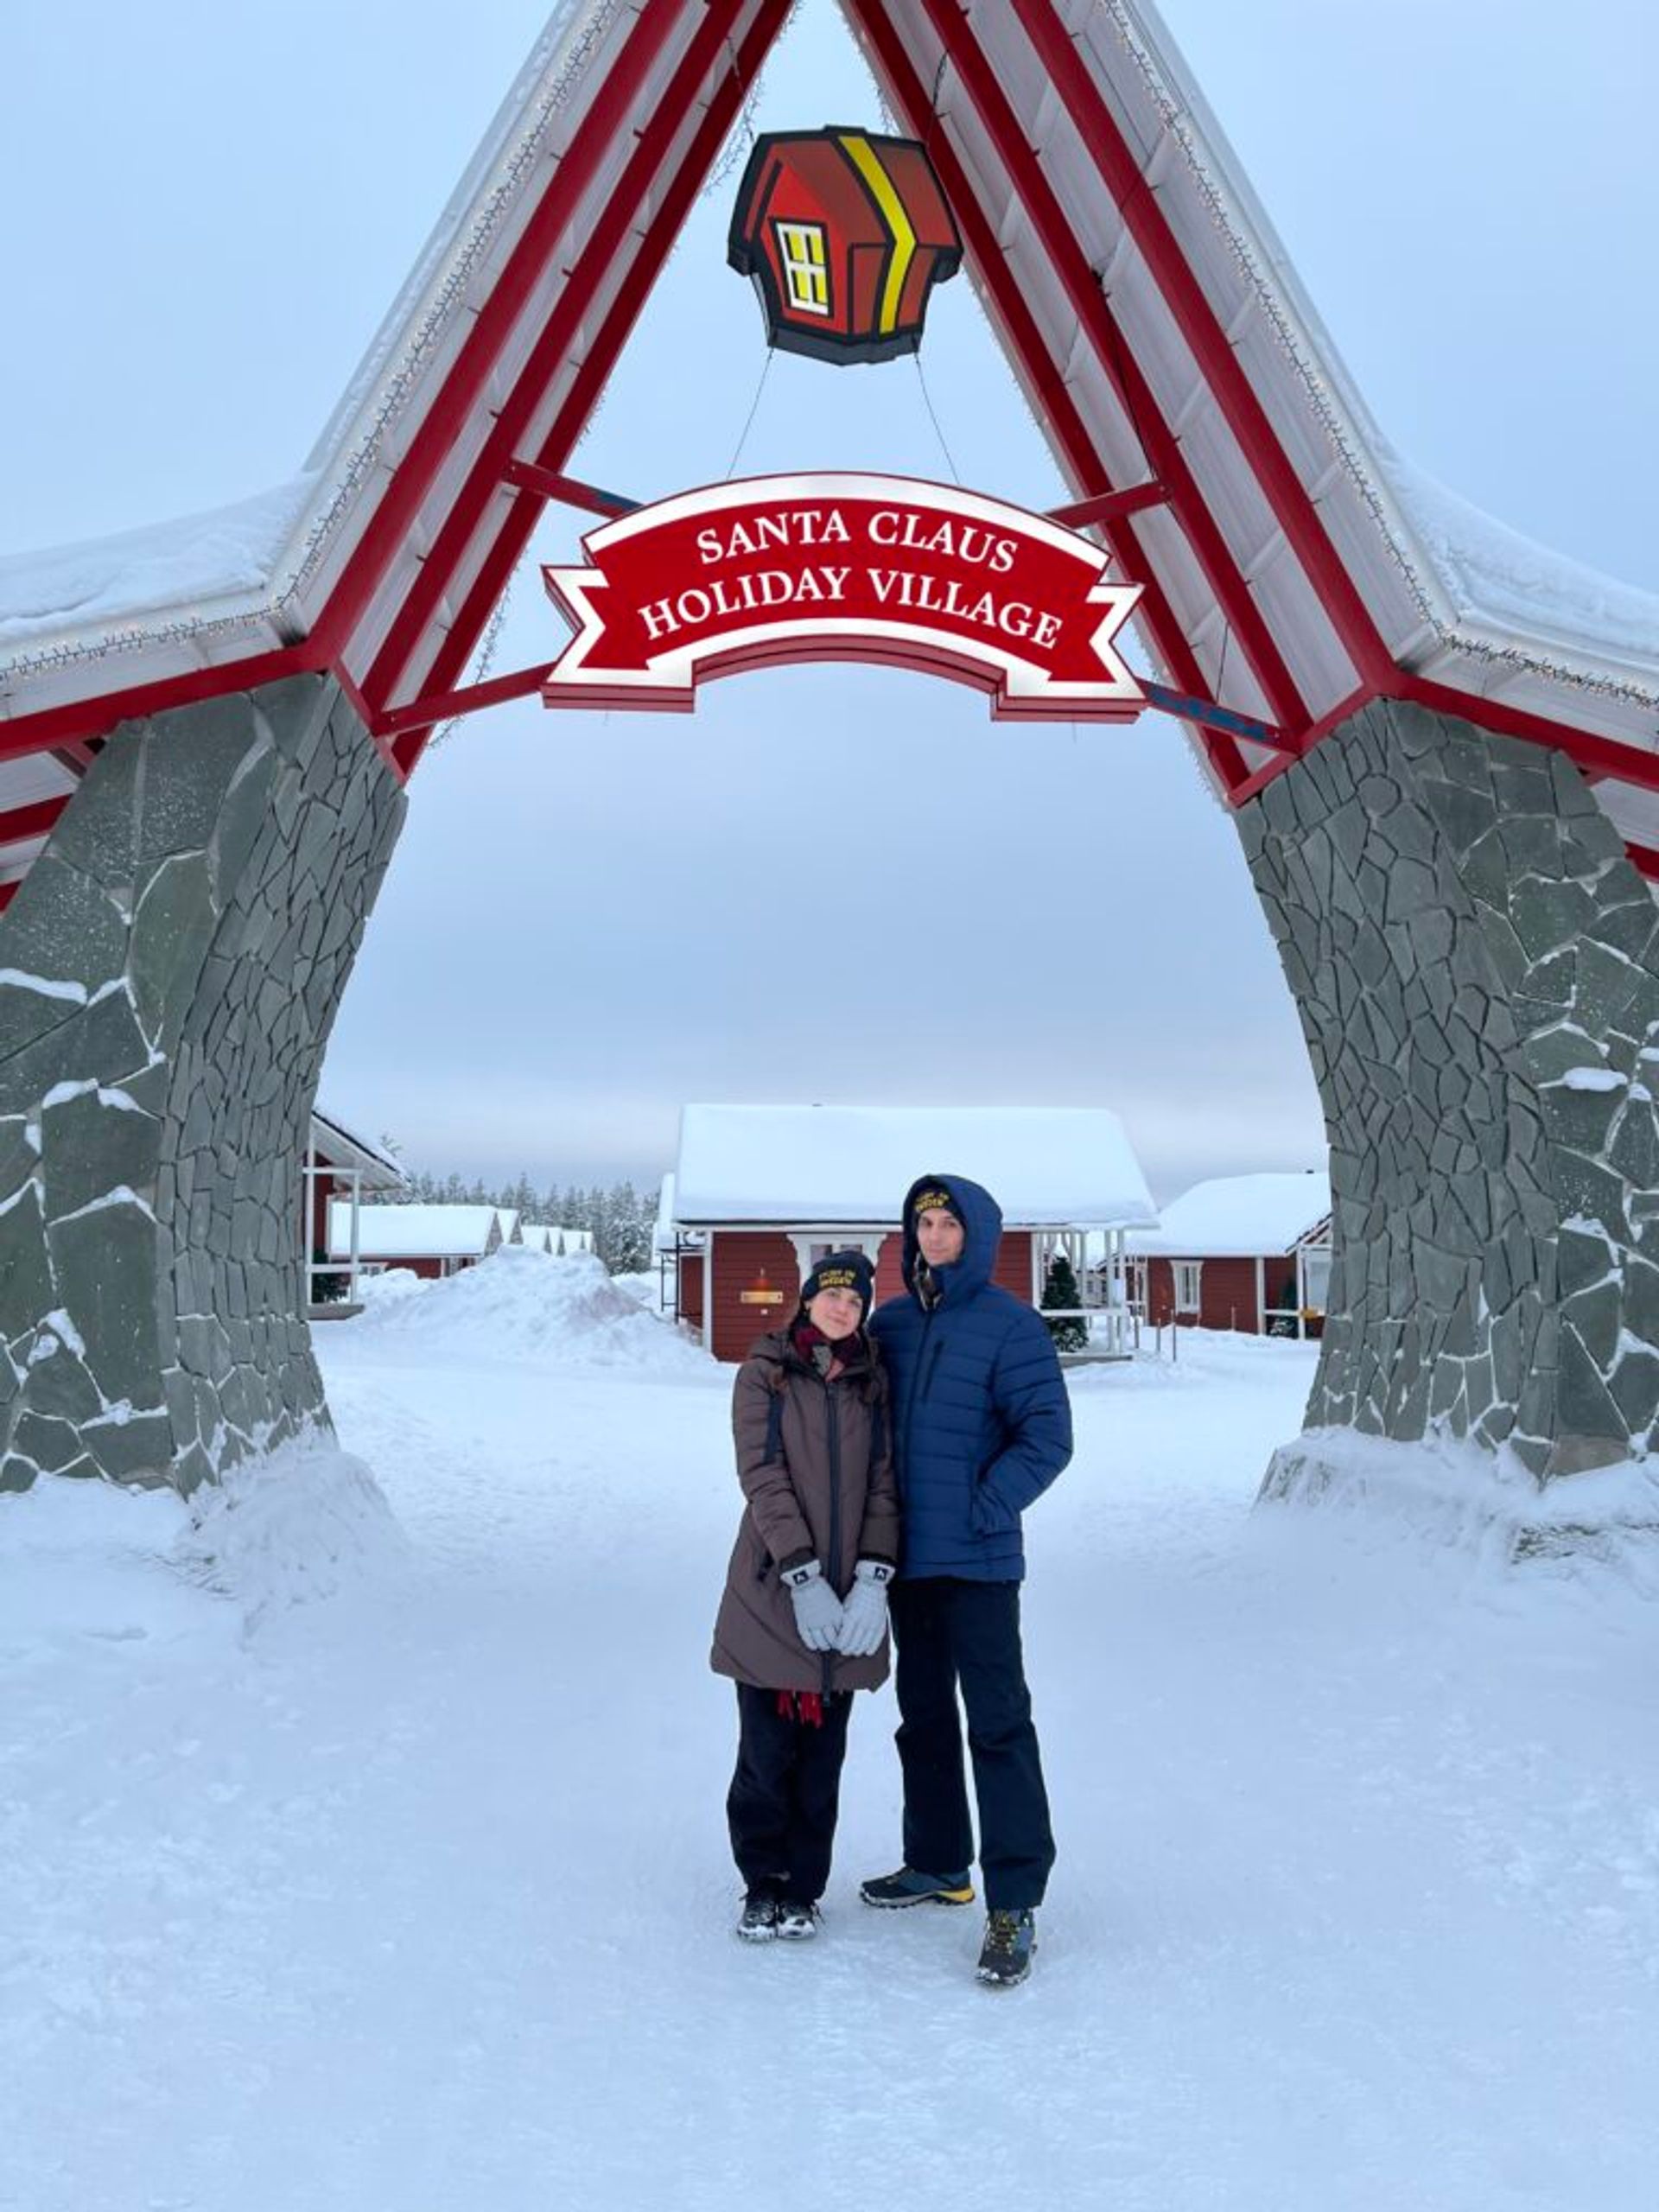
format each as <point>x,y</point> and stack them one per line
<point>982,1221</point>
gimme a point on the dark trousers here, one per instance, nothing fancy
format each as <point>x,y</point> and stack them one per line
<point>781,1807</point>
<point>952,1634</point>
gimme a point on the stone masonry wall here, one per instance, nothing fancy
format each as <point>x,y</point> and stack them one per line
<point>1475,964</point>
<point>168,975</point>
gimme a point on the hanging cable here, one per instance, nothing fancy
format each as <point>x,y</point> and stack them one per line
<point>1221,665</point>
<point>748,422</point>
<point>932,416</point>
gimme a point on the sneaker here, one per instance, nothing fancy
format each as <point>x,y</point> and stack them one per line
<point>758,1922</point>
<point>1005,1955</point>
<point>796,1922</point>
<point>909,1886</point>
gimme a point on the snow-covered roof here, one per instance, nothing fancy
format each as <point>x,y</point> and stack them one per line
<point>665,1235</point>
<point>553,1236</point>
<point>440,1232</point>
<point>335,1146</point>
<point>1046,1166</point>
<point>1240,1217</point>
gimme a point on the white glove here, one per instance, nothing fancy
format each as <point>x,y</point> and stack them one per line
<point>818,1608</point>
<point>864,1616</point>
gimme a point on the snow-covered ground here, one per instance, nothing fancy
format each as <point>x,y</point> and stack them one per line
<point>388,1870</point>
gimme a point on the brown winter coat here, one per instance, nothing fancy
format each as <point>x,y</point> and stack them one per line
<point>819,1497</point>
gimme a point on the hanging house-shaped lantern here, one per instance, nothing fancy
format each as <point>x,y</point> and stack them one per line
<point>844,234</point>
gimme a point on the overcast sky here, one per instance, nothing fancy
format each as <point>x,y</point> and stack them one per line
<point>827,884</point>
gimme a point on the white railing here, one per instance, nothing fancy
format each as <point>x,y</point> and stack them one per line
<point>311,1174</point>
<point>1114,1330</point>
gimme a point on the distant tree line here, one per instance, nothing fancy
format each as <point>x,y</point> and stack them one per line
<point>621,1219</point>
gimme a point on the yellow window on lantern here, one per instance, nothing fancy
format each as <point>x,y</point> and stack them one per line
<point>806,276</point>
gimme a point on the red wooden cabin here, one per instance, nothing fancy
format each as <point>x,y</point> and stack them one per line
<point>1248,1252</point>
<point>765,1191</point>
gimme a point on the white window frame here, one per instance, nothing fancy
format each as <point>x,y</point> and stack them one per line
<point>804,256</point>
<point>867,1241</point>
<point>1189,1285</point>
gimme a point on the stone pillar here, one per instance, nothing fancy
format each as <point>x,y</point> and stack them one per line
<point>1475,964</point>
<point>169,975</point>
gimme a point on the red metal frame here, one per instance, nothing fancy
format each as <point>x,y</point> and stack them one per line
<point>571,490</point>
<point>1245,415</point>
<point>1110,506</point>
<point>401,730</point>
<point>421,715</point>
<point>1024,343</point>
<point>1285,703</point>
<point>467,382</point>
<point>32,821</point>
<point>548,357</point>
<point>518,521</point>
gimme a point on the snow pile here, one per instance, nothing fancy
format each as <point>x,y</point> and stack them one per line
<point>1205,1363</point>
<point>306,1522</point>
<point>84,1560</point>
<point>524,1305</point>
<point>1447,1491</point>
<point>390,1283</point>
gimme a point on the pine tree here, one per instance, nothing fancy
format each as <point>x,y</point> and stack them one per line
<point>1060,1289</point>
<point>630,1243</point>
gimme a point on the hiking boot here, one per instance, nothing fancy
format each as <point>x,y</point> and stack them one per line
<point>909,1887</point>
<point>758,1922</point>
<point>796,1922</point>
<point>1005,1955</point>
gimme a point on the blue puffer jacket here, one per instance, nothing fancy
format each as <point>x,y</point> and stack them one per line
<point>981,1422</point>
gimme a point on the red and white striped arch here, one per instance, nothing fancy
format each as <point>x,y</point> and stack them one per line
<point>1205,431</point>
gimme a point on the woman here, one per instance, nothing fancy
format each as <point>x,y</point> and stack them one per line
<point>803,1622</point>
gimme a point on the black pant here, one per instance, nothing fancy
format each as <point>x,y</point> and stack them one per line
<point>952,1633</point>
<point>781,1807</point>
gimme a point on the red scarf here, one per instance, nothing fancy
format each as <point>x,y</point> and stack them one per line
<point>804,1340</point>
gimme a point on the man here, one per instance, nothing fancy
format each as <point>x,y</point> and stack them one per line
<point>982,1426</point>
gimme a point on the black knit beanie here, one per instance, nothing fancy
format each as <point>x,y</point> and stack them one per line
<point>841,1271</point>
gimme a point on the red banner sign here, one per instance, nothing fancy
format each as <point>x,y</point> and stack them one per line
<point>844,567</point>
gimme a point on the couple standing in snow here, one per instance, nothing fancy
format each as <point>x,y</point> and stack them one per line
<point>886,1461</point>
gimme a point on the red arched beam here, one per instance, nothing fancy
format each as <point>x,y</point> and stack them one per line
<point>465,385</point>
<point>552,347</point>
<point>517,522</point>
<point>1024,342</point>
<point>1286,705</point>
<point>32,821</point>
<point>1136,203</point>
